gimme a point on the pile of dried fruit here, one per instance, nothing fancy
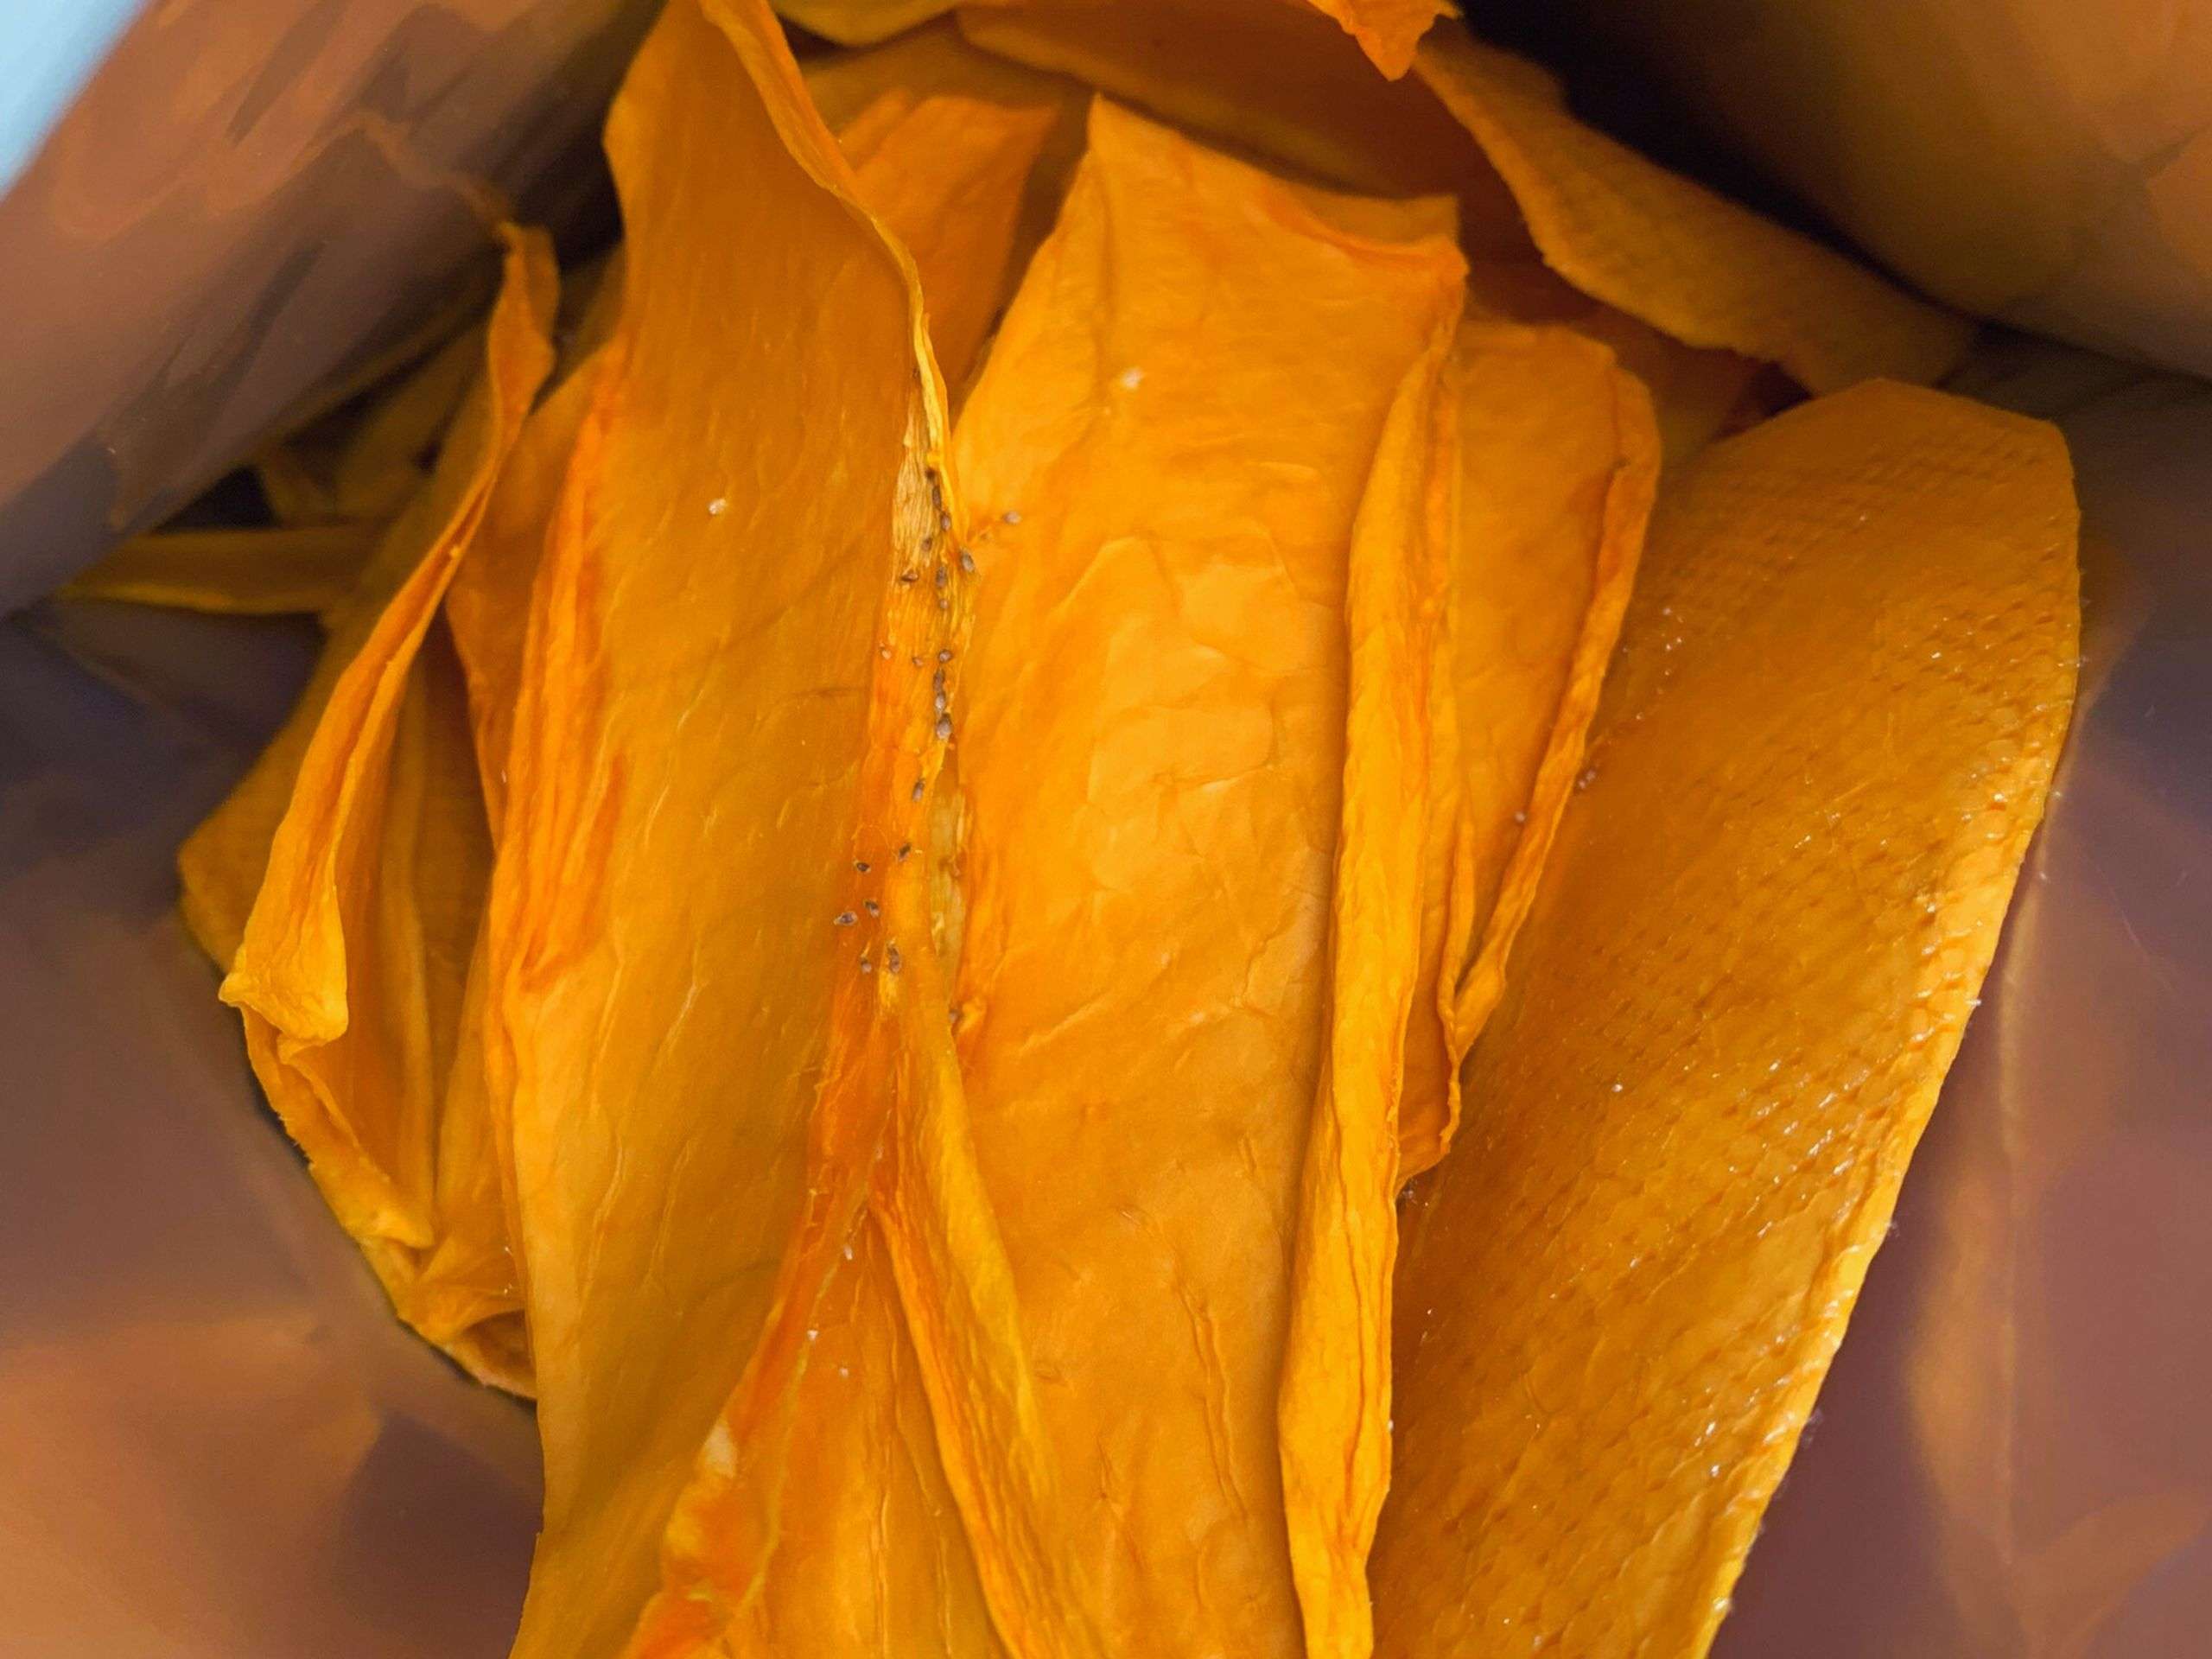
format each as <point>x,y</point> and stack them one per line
<point>900,852</point>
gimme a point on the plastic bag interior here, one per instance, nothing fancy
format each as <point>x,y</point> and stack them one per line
<point>219,1443</point>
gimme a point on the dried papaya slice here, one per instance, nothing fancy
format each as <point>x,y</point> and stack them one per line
<point>223,862</point>
<point>1535,181</point>
<point>1844,680</point>
<point>1335,1396</point>
<point>947,144</point>
<point>1534,489</point>
<point>964,158</point>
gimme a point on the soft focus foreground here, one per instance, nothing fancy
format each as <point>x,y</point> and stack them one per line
<point>900,849</point>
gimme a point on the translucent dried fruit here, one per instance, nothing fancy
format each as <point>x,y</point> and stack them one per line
<point>1169,446</point>
<point>963,157</point>
<point>359,839</point>
<point>1844,681</point>
<point>1558,460</point>
<point>691,1061</point>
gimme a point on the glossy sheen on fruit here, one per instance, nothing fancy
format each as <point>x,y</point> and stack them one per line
<point>1843,684</point>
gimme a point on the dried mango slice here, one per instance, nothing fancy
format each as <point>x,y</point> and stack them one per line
<point>1697,395</point>
<point>1532,494</point>
<point>862,94</point>
<point>718,724</point>
<point>1335,1396</point>
<point>1558,460</point>
<point>868,1552</point>
<point>946,144</point>
<point>1166,451</point>
<point>469,1277</point>
<point>1692,263</point>
<point>1844,681</point>
<point>488,603</point>
<point>254,572</point>
<point>350,966</point>
<point>1702,270</point>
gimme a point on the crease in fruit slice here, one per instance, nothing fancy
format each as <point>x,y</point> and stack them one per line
<point>1843,683</point>
<point>711,969</point>
<point>1558,460</point>
<point>1164,457</point>
<point>1333,1414</point>
<point>471,1276</point>
<point>945,142</point>
<point>269,571</point>
<point>339,883</point>
<point>964,158</point>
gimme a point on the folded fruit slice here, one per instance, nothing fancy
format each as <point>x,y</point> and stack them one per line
<point>1165,454</point>
<point>1332,1413</point>
<point>821,1517</point>
<point>1844,681</point>
<point>719,726</point>
<point>1537,480</point>
<point>1558,458</point>
<point>348,967</point>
